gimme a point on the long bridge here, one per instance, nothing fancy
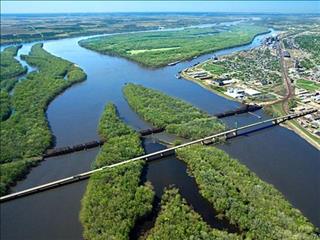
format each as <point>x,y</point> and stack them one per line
<point>96,143</point>
<point>159,154</point>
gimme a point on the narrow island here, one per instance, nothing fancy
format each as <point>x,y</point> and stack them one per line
<point>161,48</point>
<point>25,134</point>
<point>254,206</point>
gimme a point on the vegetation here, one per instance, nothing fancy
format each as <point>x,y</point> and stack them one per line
<point>176,116</point>
<point>178,221</point>
<point>311,44</point>
<point>122,141</point>
<point>10,69</point>
<point>259,67</point>
<point>26,133</point>
<point>156,49</point>
<point>12,172</point>
<point>114,199</point>
<point>5,109</point>
<point>259,210</point>
<point>308,85</point>
<point>43,26</point>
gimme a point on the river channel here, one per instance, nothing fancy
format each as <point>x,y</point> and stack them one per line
<point>276,155</point>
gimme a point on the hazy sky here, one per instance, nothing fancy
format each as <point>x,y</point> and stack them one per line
<point>160,6</point>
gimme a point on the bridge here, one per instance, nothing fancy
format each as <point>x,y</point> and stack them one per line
<point>159,154</point>
<point>145,132</point>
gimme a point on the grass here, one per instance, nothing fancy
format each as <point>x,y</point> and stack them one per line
<point>215,68</point>
<point>308,85</point>
<point>174,45</point>
<point>151,50</point>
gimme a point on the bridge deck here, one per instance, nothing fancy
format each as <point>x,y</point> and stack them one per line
<point>146,157</point>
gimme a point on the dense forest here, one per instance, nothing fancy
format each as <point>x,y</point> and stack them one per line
<point>177,220</point>
<point>176,116</point>
<point>25,134</point>
<point>156,49</point>
<point>10,70</point>
<point>257,208</point>
<point>114,198</point>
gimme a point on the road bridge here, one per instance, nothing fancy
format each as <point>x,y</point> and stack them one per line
<point>159,154</point>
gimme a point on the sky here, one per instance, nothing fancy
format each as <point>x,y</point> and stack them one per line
<point>160,6</point>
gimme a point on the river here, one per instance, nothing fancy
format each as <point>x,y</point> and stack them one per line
<point>276,155</point>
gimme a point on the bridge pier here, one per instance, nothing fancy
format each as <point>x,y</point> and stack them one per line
<point>231,134</point>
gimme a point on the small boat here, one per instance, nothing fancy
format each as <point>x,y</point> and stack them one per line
<point>173,63</point>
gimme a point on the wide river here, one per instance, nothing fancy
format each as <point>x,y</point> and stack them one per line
<point>276,155</point>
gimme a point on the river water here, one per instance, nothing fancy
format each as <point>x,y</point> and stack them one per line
<point>276,155</point>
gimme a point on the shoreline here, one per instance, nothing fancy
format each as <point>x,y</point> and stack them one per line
<point>159,66</point>
<point>290,126</point>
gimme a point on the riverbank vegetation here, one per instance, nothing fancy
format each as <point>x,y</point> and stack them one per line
<point>156,49</point>
<point>39,27</point>
<point>14,171</point>
<point>257,208</point>
<point>26,132</point>
<point>177,220</point>
<point>10,70</point>
<point>114,198</point>
<point>176,116</point>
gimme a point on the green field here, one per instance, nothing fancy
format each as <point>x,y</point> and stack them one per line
<point>176,116</point>
<point>156,49</point>
<point>308,85</point>
<point>215,68</point>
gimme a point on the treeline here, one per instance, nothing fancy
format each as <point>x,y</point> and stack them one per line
<point>114,198</point>
<point>176,116</point>
<point>14,171</point>
<point>177,221</point>
<point>26,132</point>
<point>156,49</point>
<point>257,208</point>
<point>10,70</point>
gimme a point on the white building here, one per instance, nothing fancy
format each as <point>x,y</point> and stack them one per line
<point>235,93</point>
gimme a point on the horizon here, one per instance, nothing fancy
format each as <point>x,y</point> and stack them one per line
<point>87,7</point>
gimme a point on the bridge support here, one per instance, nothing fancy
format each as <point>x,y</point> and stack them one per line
<point>231,134</point>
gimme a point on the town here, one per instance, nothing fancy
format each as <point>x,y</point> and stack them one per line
<point>255,77</point>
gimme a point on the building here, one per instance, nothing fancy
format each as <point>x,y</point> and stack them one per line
<point>251,92</point>
<point>286,54</point>
<point>235,93</point>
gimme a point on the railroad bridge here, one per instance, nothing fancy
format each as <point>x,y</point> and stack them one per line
<point>162,153</point>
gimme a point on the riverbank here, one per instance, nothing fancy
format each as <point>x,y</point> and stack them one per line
<point>291,165</point>
<point>158,49</point>
<point>273,109</point>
